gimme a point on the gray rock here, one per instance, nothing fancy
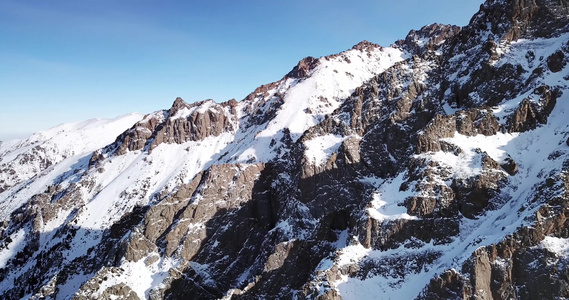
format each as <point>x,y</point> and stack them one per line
<point>439,127</point>
<point>556,61</point>
<point>510,166</point>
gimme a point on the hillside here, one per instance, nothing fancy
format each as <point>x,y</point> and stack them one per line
<point>435,168</point>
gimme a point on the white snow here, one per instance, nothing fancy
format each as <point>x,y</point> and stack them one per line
<point>491,228</point>
<point>159,115</point>
<point>307,101</point>
<point>140,277</point>
<point>447,108</point>
<point>73,138</point>
<point>183,113</point>
<point>468,163</point>
<point>382,286</point>
<point>17,244</point>
<point>352,254</point>
<point>516,51</point>
<point>208,105</point>
<point>382,210</point>
<point>135,177</point>
<point>422,41</point>
<point>13,198</point>
<point>67,146</point>
<point>319,149</point>
<point>72,285</point>
<point>387,200</point>
<point>493,145</point>
<point>559,246</point>
<point>142,175</point>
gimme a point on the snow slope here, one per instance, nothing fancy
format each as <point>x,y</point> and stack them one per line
<point>48,153</point>
<point>306,101</point>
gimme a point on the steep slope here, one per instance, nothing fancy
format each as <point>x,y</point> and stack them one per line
<point>56,148</point>
<point>487,168</point>
<point>25,158</point>
<point>162,159</point>
<point>435,169</point>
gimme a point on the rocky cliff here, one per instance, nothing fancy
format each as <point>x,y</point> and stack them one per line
<point>436,168</point>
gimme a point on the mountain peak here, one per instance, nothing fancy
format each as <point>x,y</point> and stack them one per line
<point>515,19</point>
<point>429,37</point>
<point>178,104</point>
<point>178,101</point>
<point>365,46</point>
<point>303,68</point>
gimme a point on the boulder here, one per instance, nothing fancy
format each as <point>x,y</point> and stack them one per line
<point>510,166</point>
<point>556,61</point>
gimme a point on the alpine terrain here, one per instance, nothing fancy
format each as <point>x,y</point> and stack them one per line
<point>435,168</point>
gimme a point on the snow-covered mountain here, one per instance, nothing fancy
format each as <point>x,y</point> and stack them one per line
<point>435,168</point>
<point>47,153</point>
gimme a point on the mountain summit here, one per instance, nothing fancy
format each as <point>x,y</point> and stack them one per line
<point>435,168</point>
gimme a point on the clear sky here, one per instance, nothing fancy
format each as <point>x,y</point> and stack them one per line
<point>64,61</point>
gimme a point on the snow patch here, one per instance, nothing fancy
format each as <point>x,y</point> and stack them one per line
<point>351,254</point>
<point>66,147</point>
<point>383,211</point>
<point>183,113</point>
<point>387,200</point>
<point>319,149</point>
<point>559,246</point>
<point>10,249</point>
<point>140,277</point>
<point>493,145</point>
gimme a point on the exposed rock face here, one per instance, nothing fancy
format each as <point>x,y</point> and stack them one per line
<point>530,114</point>
<point>442,176</point>
<point>365,46</point>
<point>510,166</point>
<point>477,121</point>
<point>196,126</point>
<point>440,127</point>
<point>303,68</point>
<point>556,61</point>
<point>181,123</point>
<point>261,91</point>
<point>515,19</point>
<point>428,38</point>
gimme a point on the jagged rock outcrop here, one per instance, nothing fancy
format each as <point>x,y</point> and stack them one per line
<point>510,166</point>
<point>440,127</point>
<point>303,68</point>
<point>365,46</point>
<point>556,61</point>
<point>181,123</point>
<point>428,38</point>
<point>530,113</point>
<point>519,18</point>
<point>477,121</point>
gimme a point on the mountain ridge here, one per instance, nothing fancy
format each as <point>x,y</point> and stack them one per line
<point>434,168</point>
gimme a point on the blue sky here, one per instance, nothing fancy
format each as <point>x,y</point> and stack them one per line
<point>64,61</point>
